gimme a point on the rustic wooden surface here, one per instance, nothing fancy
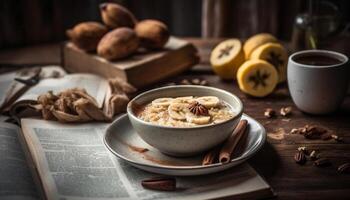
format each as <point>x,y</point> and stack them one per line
<point>275,161</point>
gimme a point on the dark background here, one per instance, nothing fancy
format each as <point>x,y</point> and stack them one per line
<point>26,22</point>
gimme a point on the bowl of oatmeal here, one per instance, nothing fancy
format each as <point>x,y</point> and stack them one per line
<point>184,120</point>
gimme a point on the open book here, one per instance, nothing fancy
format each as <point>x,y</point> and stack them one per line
<point>71,162</point>
<point>95,86</point>
<point>11,90</point>
<point>67,98</point>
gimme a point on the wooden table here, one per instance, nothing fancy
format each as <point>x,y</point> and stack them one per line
<point>275,161</point>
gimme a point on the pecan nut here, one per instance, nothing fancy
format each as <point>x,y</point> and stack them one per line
<point>322,162</point>
<point>344,168</point>
<point>285,111</point>
<point>304,150</point>
<point>314,132</point>
<point>269,113</point>
<point>300,158</point>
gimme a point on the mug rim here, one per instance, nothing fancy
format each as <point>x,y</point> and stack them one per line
<point>344,58</point>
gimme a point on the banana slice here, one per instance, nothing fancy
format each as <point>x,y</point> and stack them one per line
<point>162,102</point>
<point>208,101</point>
<point>226,58</point>
<point>257,78</point>
<point>255,41</point>
<point>197,119</point>
<point>187,99</point>
<point>276,55</point>
<point>178,111</point>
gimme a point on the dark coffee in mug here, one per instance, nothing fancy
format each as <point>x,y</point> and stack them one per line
<point>318,80</point>
<point>317,59</point>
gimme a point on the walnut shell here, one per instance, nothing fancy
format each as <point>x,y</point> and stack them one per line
<point>152,33</point>
<point>118,43</point>
<point>87,35</point>
<point>116,16</point>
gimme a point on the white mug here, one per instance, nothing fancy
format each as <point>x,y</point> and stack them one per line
<point>318,88</point>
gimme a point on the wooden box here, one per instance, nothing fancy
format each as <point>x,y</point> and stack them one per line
<point>140,69</point>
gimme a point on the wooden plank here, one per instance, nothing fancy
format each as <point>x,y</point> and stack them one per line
<point>43,54</point>
<point>275,160</point>
<point>289,180</point>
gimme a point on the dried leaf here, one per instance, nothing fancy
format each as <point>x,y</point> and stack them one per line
<point>121,85</point>
<point>117,104</point>
<point>76,105</point>
<point>47,99</point>
<point>65,117</point>
<point>47,114</point>
<point>89,109</point>
<point>79,108</point>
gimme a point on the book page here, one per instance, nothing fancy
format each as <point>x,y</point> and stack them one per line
<point>94,85</point>
<point>74,163</point>
<point>9,87</point>
<point>15,177</point>
<point>6,81</point>
<point>4,118</point>
<point>241,181</point>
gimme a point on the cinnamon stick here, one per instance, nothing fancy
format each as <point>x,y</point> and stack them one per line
<point>210,157</point>
<point>231,143</point>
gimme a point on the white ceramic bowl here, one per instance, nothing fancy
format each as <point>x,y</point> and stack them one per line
<point>184,141</point>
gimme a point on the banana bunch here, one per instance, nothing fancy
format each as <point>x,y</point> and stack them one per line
<point>258,65</point>
<point>178,108</point>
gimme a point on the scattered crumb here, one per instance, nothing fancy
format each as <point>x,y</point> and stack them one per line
<point>314,155</point>
<point>185,82</point>
<point>277,135</point>
<point>269,113</point>
<point>295,131</point>
<point>337,138</point>
<point>286,111</point>
<point>286,120</point>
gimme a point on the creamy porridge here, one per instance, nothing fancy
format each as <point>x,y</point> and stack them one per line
<point>186,111</point>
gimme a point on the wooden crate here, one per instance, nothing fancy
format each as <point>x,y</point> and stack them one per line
<point>141,69</point>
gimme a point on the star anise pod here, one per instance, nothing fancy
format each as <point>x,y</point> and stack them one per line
<point>198,109</point>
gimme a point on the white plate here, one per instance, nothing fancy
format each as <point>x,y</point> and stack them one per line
<point>120,138</point>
